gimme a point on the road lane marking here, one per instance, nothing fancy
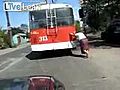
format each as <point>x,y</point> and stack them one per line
<point>14,61</point>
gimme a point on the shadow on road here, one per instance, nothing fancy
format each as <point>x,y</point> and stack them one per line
<point>80,56</point>
<point>48,54</point>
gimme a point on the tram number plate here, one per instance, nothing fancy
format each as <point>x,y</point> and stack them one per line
<point>43,38</point>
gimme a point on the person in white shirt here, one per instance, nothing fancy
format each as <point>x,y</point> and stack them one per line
<point>83,43</point>
<point>80,36</point>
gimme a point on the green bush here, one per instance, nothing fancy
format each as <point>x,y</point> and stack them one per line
<point>4,40</point>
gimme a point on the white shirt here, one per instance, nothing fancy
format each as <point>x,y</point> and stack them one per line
<point>80,36</point>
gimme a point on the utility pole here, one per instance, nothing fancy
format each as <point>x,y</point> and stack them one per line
<point>9,31</point>
<point>9,28</point>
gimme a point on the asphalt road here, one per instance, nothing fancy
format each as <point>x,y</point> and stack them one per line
<point>75,72</point>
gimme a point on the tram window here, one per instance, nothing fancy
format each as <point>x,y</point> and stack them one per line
<point>38,19</point>
<point>64,16</point>
<point>38,14</point>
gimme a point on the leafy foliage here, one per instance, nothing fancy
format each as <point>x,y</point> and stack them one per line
<point>4,40</point>
<point>77,24</point>
<point>101,12</point>
<point>16,30</point>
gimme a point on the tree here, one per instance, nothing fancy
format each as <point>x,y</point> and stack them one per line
<point>77,24</point>
<point>16,31</point>
<point>24,28</point>
<point>101,12</point>
<point>4,40</point>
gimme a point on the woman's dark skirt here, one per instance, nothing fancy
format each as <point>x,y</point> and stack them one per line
<point>84,45</point>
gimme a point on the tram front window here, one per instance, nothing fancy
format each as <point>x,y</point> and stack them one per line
<point>64,16</point>
<point>37,19</point>
<point>53,17</point>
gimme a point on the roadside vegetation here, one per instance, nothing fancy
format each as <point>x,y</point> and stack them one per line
<point>5,41</point>
<point>99,13</point>
<point>77,24</point>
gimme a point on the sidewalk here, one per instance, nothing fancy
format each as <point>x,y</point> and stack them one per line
<point>8,50</point>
